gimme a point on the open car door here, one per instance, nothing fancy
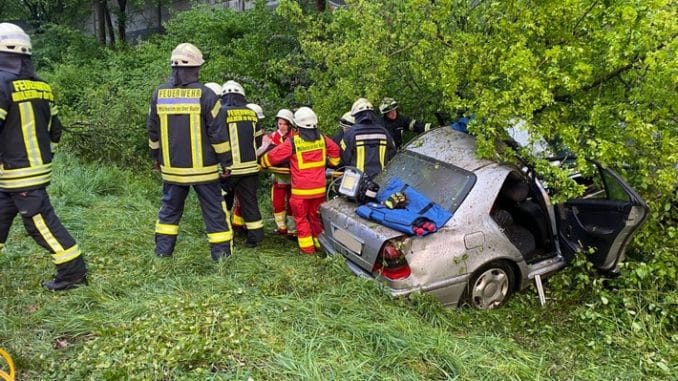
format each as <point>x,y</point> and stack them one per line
<point>603,219</point>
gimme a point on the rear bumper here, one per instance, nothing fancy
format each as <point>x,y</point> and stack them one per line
<point>449,291</point>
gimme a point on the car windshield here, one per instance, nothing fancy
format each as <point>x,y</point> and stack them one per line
<point>442,183</point>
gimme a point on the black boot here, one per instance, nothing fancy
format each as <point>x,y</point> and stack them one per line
<point>221,252</point>
<point>69,275</point>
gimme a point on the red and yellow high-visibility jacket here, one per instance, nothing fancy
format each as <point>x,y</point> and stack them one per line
<point>308,160</point>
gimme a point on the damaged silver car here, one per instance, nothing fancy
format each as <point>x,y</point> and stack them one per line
<point>504,232</point>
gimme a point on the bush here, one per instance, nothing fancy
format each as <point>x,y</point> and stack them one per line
<point>104,96</point>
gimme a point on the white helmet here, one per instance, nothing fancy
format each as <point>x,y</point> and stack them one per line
<point>214,87</point>
<point>13,39</point>
<point>233,87</point>
<point>306,118</point>
<point>186,55</point>
<point>285,114</point>
<point>361,105</point>
<point>256,108</point>
<point>388,105</point>
<point>347,120</point>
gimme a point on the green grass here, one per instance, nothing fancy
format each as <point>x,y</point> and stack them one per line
<point>273,314</point>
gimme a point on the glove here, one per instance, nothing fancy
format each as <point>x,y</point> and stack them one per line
<point>397,200</point>
<point>224,172</point>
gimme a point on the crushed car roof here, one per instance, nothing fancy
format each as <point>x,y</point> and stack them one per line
<point>449,146</point>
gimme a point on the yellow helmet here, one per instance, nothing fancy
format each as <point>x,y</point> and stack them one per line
<point>13,39</point>
<point>186,55</point>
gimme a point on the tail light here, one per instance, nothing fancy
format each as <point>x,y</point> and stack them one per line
<point>391,262</point>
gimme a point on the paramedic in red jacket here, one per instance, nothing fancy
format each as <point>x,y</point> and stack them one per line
<point>308,153</point>
<point>281,190</point>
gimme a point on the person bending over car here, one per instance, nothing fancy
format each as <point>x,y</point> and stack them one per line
<point>367,145</point>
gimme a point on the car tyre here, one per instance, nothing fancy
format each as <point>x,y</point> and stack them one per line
<point>491,286</point>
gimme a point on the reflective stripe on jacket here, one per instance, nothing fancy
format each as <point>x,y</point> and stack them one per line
<point>187,134</point>
<point>276,140</point>
<point>29,132</point>
<point>367,147</point>
<point>243,133</point>
<point>308,160</point>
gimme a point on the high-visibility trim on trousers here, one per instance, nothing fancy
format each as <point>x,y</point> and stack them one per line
<point>46,234</point>
<point>305,242</point>
<point>166,228</point>
<point>41,223</point>
<point>219,237</point>
<point>66,255</point>
<point>237,220</point>
<point>254,225</point>
<point>281,219</point>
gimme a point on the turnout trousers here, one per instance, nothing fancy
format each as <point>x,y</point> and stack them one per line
<point>214,213</point>
<point>244,188</point>
<point>280,199</point>
<point>306,213</point>
<point>42,223</point>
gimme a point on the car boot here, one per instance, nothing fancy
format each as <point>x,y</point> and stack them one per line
<point>69,275</point>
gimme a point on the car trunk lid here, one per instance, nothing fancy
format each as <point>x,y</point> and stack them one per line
<point>357,239</point>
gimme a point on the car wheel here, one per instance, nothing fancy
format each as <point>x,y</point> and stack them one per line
<point>491,285</point>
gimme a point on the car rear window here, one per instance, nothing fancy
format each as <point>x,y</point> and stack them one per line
<point>443,183</point>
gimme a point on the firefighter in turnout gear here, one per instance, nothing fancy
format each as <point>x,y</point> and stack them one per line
<point>281,188</point>
<point>237,220</point>
<point>245,134</point>
<point>395,123</point>
<point>346,122</point>
<point>308,153</point>
<point>189,141</point>
<point>29,133</point>
<point>367,145</point>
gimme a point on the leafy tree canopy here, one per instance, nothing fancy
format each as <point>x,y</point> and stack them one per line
<point>597,76</point>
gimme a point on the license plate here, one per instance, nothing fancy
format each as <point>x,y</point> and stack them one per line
<point>347,240</point>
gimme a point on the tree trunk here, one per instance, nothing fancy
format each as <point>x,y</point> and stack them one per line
<point>160,28</point>
<point>320,5</point>
<point>122,20</point>
<point>100,21</point>
<point>109,25</point>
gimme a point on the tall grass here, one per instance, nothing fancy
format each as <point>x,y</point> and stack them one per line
<point>272,314</point>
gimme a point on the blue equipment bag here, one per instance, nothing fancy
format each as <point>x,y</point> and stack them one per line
<point>420,216</point>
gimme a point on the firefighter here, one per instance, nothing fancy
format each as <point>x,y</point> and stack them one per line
<point>189,141</point>
<point>308,153</point>
<point>346,122</point>
<point>29,133</point>
<point>281,187</point>
<point>237,220</point>
<point>245,134</point>
<point>214,87</point>
<point>396,123</point>
<point>367,145</point>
